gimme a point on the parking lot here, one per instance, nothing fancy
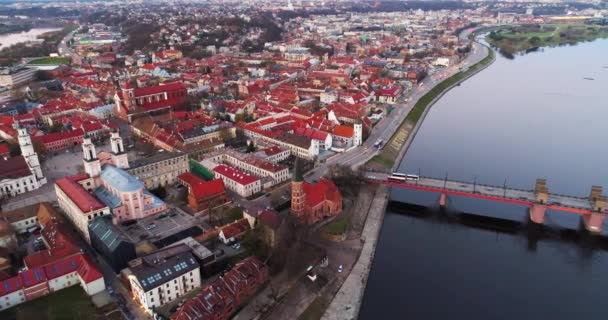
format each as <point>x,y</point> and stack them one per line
<point>159,226</point>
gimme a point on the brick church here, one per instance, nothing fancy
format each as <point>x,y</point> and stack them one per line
<point>313,202</point>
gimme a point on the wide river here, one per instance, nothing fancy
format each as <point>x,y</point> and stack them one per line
<point>518,120</point>
<point>9,39</point>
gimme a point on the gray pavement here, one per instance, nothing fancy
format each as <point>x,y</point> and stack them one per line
<point>346,303</point>
<point>55,166</point>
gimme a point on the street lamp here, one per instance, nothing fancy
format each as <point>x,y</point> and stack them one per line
<point>474,183</point>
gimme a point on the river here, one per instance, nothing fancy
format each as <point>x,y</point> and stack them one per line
<point>9,39</point>
<point>532,117</point>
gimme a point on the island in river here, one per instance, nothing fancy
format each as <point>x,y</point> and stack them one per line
<point>523,38</point>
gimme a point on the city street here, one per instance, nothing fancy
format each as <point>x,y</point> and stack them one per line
<point>388,125</point>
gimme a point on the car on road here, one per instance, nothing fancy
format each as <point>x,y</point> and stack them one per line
<point>340,268</point>
<point>312,276</point>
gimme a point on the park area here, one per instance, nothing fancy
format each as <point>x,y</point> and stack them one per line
<point>67,304</point>
<point>524,38</point>
<point>50,61</point>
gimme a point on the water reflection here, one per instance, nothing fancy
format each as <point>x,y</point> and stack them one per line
<point>7,40</point>
<point>522,119</point>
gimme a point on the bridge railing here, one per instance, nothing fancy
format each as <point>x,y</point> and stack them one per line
<point>483,185</point>
<point>478,184</point>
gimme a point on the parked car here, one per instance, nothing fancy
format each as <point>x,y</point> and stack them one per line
<point>151,226</point>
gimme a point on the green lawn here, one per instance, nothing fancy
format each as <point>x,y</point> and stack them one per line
<point>51,60</point>
<point>338,227</point>
<point>67,304</point>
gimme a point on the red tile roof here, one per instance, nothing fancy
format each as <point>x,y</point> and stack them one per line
<point>87,270</point>
<point>79,195</point>
<point>240,177</point>
<point>32,277</point>
<point>202,188</point>
<point>343,131</point>
<point>10,285</point>
<point>270,151</point>
<point>13,168</point>
<point>60,268</point>
<point>389,92</point>
<point>312,133</point>
<point>209,188</point>
<point>235,228</point>
<point>323,190</point>
<point>173,86</point>
<point>58,136</point>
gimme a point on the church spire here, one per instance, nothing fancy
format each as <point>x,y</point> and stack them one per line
<point>297,171</point>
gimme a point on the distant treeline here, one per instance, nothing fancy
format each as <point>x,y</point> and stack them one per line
<point>399,6</point>
<point>40,12</point>
<point>11,28</point>
<point>14,53</point>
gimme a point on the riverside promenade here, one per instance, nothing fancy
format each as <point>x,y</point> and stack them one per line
<point>347,302</point>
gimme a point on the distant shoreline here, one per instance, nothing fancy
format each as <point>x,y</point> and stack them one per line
<point>512,40</point>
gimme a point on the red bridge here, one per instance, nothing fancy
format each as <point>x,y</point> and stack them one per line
<point>592,208</point>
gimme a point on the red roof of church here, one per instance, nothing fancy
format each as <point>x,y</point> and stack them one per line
<point>173,86</point>
<point>323,190</point>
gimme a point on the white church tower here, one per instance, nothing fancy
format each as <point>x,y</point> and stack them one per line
<point>358,133</point>
<point>119,156</point>
<point>92,166</point>
<point>29,154</point>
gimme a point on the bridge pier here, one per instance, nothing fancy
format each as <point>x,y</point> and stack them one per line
<point>594,222</point>
<point>538,209</point>
<point>537,213</point>
<point>443,200</point>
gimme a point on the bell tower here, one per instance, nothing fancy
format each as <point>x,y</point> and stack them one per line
<point>119,156</point>
<point>92,166</point>
<point>358,133</point>
<point>28,153</point>
<point>298,196</point>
